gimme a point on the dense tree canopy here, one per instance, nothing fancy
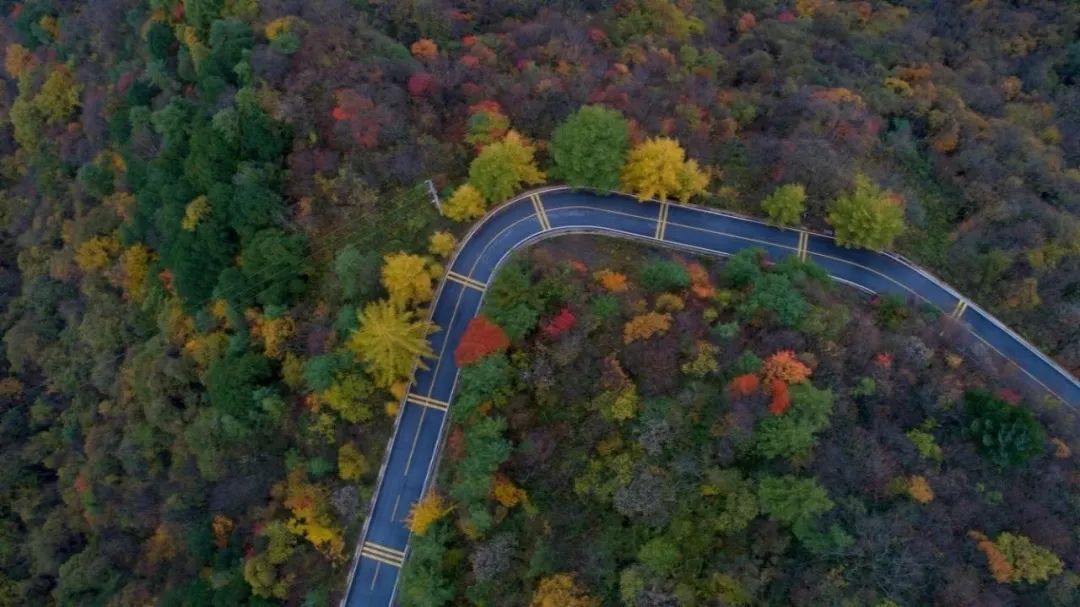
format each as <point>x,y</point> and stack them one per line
<point>867,216</point>
<point>501,168</point>
<point>708,436</point>
<point>390,340</point>
<point>589,148</point>
<point>658,168</point>
<point>196,199</point>
<point>786,204</point>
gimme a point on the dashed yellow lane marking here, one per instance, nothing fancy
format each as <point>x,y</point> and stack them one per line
<point>428,402</point>
<point>958,311</point>
<point>541,213</point>
<point>661,221</point>
<point>383,554</point>
<point>465,280</point>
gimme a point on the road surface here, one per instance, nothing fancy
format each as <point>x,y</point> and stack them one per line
<point>414,447</point>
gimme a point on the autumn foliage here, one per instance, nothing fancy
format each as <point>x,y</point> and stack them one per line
<point>559,324</point>
<point>424,48</point>
<point>1000,567</point>
<point>612,281</point>
<point>561,590</point>
<point>465,203</point>
<point>781,399</point>
<point>421,84</point>
<point>645,326</point>
<point>506,492</point>
<point>487,124</point>
<point>700,285</point>
<point>426,512</point>
<point>658,168</point>
<point>919,489</point>
<point>362,118</point>
<point>745,384</point>
<point>482,337</point>
<point>406,278</point>
<point>785,367</point>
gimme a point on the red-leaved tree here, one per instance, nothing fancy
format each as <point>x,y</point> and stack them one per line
<point>744,385</point>
<point>781,400</point>
<point>559,324</point>
<point>482,337</point>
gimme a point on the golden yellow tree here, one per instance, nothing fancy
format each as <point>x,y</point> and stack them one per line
<point>195,210</point>
<point>162,545</point>
<point>390,340</point>
<point>506,492</point>
<point>669,302</point>
<point>311,518</point>
<point>134,266</point>
<point>561,590</point>
<point>658,168</point>
<point>281,25</point>
<point>351,462</point>
<point>406,278</point>
<point>442,243</point>
<point>427,511</point>
<point>645,326</point>
<point>59,94</point>
<point>95,253</point>
<point>704,360</point>
<point>274,332</point>
<point>465,203</point>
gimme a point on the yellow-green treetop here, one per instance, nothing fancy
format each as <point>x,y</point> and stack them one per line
<point>658,168</point>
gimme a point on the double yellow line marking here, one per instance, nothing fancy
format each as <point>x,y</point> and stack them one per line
<point>541,213</point>
<point>804,245</point>
<point>661,221</point>
<point>428,402</point>
<point>383,554</point>
<point>465,280</point>
<point>958,311</point>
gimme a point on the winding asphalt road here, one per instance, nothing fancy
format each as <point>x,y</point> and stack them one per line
<point>414,448</point>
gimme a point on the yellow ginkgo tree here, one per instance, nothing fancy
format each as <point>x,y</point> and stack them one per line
<point>658,168</point>
<point>465,203</point>
<point>406,278</point>
<point>390,340</point>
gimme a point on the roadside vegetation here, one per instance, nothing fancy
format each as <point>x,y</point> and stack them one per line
<point>651,429</point>
<point>217,245</point>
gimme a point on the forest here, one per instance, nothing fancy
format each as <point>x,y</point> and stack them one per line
<point>751,433</point>
<point>214,224</point>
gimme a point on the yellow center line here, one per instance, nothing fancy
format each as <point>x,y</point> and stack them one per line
<point>958,311</point>
<point>541,213</point>
<point>465,280</point>
<point>381,559</point>
<point>383,554</point>
<point>428,402</point>
<point>661,221</point>
<point>804,244</point>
